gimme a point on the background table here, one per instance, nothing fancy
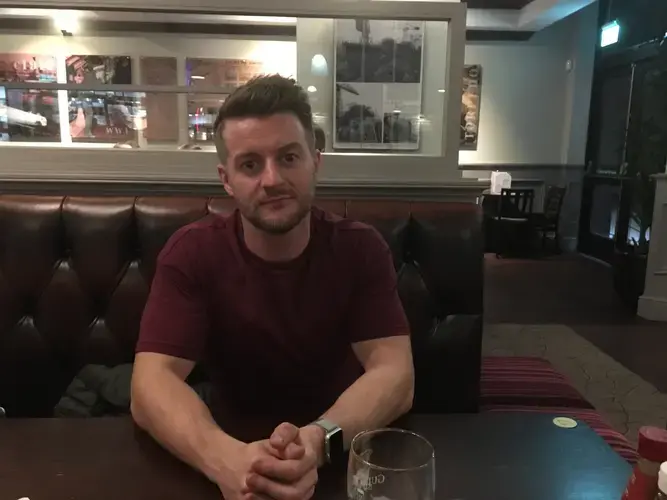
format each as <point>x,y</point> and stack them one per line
<point>485,456</point>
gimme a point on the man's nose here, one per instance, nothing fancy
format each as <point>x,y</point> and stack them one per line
<point>271,175</point>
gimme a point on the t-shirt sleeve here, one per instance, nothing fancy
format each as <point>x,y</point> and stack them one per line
<point>175,320</point>
<point>376,309</point>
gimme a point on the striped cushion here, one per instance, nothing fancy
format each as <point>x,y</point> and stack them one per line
<point>532,384</point>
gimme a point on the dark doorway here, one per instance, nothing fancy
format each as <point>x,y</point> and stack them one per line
<point>606,160</point>
<point>627,144</point>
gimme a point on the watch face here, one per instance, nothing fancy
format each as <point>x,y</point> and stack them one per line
<point>336,446</point>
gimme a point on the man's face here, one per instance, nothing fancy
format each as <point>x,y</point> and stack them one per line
<point>270,170</point>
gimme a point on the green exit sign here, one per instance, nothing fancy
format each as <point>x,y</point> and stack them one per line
<point>610,34</point>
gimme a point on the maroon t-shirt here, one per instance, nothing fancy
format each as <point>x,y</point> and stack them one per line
<point>275,338</point>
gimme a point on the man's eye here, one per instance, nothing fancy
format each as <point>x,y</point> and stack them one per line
<point>290,157</point>
<point>249,165</point>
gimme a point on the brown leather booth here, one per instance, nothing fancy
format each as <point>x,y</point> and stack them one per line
<point>75,273</point>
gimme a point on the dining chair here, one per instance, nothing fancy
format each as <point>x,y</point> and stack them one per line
<point>547,222</point>
<point>512,225</point>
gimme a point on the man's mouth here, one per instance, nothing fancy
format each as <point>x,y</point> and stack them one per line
<point>276,199</point>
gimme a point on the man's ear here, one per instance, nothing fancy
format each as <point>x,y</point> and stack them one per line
<point>317,157</point>
<point>222,173</point>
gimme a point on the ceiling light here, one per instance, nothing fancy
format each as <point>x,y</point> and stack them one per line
<point>311,88</point>
<point>442,91</point>
<point>66,21</point>
<point>197,77</point>
<point>319,66</point>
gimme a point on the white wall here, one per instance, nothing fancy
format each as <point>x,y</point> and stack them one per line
<point>653,303</point>
<point>578,97</point>
<point>533,109</point>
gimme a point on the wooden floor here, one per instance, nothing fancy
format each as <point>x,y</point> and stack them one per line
<point>576,291</point>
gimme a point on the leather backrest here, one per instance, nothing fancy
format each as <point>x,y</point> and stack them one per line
<point>75,273</point>
<point>446,244</point>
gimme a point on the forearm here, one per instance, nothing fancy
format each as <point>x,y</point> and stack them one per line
<point>376,399</point>
<point>168,409</point>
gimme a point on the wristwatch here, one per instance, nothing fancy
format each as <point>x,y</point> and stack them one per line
<point>334,448</point>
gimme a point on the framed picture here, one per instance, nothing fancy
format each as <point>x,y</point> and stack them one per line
<point>27,68</point>
<point>28,115</point>
<point>99,70</point>
<point>378,82</point>
<point>202,112</point>
<point>111,117</point>
<point>161,108</point>
<point>210,72</point>
<point>101,116</point>
<point>471,92</point>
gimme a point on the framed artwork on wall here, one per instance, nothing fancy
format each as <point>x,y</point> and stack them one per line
<point>99,69</point>
<point>209,72</point>
<point>378,84</point>
<point>28,115</point>
<point>27,68</point>
<point>161,108</point>
<point>471,94</point>
<point>98,116</point>
<point>108,117</point>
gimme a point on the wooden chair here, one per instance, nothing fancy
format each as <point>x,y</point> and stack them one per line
<point>547,222</point>
<point>512,225</point>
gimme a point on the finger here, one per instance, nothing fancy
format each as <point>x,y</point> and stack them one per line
<point>292,451</point>
<point>284,434</point>
<point>248,494</point>
<point>287,471</point>
<point>280,491</point>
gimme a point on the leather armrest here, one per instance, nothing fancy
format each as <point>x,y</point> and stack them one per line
<point>448,365</point>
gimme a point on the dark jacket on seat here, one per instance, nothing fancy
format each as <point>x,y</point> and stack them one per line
<point>100,391</point>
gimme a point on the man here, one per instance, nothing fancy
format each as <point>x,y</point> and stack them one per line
<point>294,313</point>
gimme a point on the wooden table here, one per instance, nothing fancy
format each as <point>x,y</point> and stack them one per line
<point>486,456</point>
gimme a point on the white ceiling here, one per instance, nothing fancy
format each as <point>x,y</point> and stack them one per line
<point>86,15</point>
<point>535,16</point>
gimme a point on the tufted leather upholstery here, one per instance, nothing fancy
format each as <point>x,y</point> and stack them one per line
<point>75,273</point>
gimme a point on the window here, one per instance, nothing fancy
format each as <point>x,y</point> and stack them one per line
<point>375,85</point>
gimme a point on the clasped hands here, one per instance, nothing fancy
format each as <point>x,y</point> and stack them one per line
<point>283,467</point>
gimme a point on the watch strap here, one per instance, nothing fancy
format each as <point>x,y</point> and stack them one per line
<point>327,425</point>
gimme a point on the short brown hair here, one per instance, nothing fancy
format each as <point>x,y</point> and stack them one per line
<point>264,96</point>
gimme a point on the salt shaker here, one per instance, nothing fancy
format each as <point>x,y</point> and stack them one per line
<point>652,451</point>
<point>662,483</point>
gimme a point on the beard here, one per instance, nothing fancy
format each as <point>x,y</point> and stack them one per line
<point>297,209</point>
<point>280,225</point>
